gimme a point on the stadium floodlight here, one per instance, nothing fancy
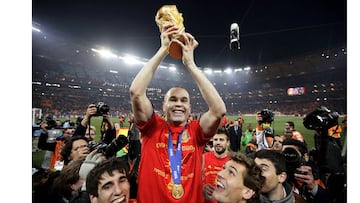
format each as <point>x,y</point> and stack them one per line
<point>217,71</point>
<point>208,71</point>
<point>128,59</point>
<point>228,70</point>
<point>164,67</point>
<point>247,68</point>
<point>238,69</point>
<point>104,53</point>
<point>172,68</point>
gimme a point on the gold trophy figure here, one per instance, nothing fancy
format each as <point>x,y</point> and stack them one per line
<point>169,15</point>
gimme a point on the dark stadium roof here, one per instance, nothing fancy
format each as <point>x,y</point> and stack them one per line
<point>269,30</point>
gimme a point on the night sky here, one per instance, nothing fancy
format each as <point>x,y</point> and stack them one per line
<point>270,30</point>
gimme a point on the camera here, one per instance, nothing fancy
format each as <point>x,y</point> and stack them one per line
<point>268,132</point>
<point>267,116</point>
<point>293,161</point>
<point>101,109</point>
<point>321,118</point>
<point>234,36</point>
<point>109,150</point>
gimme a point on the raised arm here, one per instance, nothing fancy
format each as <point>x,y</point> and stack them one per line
<point>141,105</point>
<point>210,120</point>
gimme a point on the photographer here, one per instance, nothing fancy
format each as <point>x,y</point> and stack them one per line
<point>108,132</point>
<point>50,140</point>
<point>328,152</point>
<point>264,132</point>
<point>303,175</point>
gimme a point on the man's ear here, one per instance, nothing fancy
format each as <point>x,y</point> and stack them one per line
<point>93,199</point>
<point>282,177</point>
<point>248,193</point>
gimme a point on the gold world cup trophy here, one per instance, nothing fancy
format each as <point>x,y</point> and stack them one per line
<point>169,15</point>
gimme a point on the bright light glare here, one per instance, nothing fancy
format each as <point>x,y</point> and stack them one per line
<point>238,69</point>
<point>36,29</point>
<point>128,59</point>
<point>217,71</point>
<point>247,68</point>
<point>105,53</point>
<point>172,68</point>
<point>208,71</point>
<point>228,70</point>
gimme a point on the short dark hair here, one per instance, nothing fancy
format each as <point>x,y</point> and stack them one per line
<point>275,157</point>
<point>292,124</point>
<point>252,177</point>
<point>107,166</point>
<point>66,151</point>
<point>223,130</point>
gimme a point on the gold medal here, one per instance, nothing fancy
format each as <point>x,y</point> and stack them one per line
<point>177,191</point>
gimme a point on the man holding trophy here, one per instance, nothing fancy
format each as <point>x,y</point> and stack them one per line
<point>170,166</point>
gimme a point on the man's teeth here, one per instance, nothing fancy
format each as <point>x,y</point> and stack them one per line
<point>119,200</point>
<point>220,185</point>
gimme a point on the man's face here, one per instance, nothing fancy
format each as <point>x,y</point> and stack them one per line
<point>272,180</point>
<point>80,149</point>
<point>68,133</point>
<point>287,127</point>
<point>277,143</point>
<point>114,189</point>
<point>230,183</point>
<point>177,105</point>
<point>90,136</point>
<point>220,143</point>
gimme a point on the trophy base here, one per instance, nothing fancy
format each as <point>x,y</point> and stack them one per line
<point>175,50</point>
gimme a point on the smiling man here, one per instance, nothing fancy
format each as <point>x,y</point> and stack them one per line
<point>170,165</point>
<point>107,182</point>
<point>213,161</point>
<point>239,181</point>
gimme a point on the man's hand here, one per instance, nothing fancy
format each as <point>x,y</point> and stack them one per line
<point>89,163</point>
<point>166,35</point>
<point>91,110</point>
<point>305,175</point>
<point>208,191</point>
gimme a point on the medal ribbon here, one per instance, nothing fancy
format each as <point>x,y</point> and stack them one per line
<point>175,158</point>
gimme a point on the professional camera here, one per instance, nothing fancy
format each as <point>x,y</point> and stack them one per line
<point>111,149</point>
<point>321,118</point>
<point>101,109</point>
<point>268,132</point>
<point>293,161</point>
<point>234,37</point>
<point>267,116</point>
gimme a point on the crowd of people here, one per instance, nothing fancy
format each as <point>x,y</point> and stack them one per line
<point>174,157</point>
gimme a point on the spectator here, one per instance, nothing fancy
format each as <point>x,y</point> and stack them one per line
<point>277,143</point>
<point>90,133</point>
<point>122,121</point>
<point>302,174</point>
<point>176,178</point>
<point>66,185</point>
<point>48,141</point>
<point>247,135</point>
<point>108,130</point>
<point>296,135</point>
<point>240,180</point>
<point>213,162</point>
<point>76,148</point>
<point>235,133</point>
<point>264,131</point>
<point>108,181</point>
<point>273,167</point>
